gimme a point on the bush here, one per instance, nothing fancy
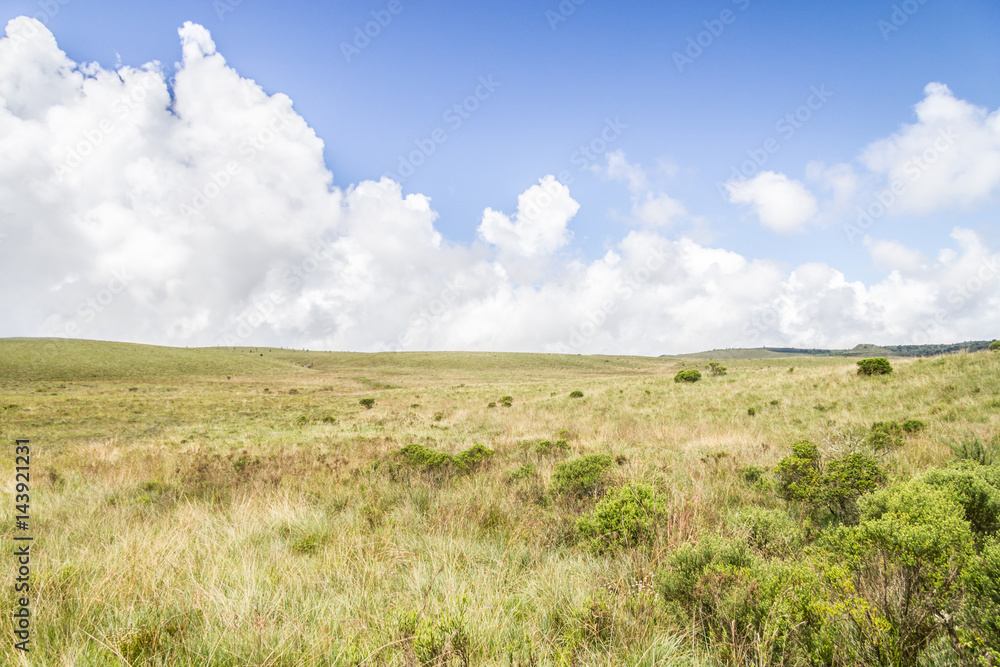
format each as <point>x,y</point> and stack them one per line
<point>802,478</point>
<point>419,456</point>
<point>995,346</point>
<point>690,375</point>
<point>798,474</point>
<point>752,411</point>
<point>771,533</point>
<point>982,606</point>
<point>576,393</point>
<point>716,368</point>
<point>625,518</point>
<point>473,458</point>
<point>905,557</point>
<point>884,436</point>
<point>367,403</point>
<point>441,641</point>
<point>913,426</point>
<point>847,479</point>
<point>976,488</point>
<point>582,476</point>
<point>506,401</point>
<point>876,366</point>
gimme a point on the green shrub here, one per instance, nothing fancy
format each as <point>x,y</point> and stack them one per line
<point>884,436</point>
<point>847,479</point>
<point>716,368</point>
<point>526,471</point>
<point>547,447</point>
<point>749,611</point>
<point>441,641</point>
<point>980,636</point>
<point>836,487</point>
<point>419,456</point>
<point>976,488</point>
<point>799,474</point>
<point>491,404</point>
<point>770,533</point>
<point>876,366</point>
<point>473,458</point>
<point>582,476</point>
<point>905,557</point>
<point>995,346</point>
<point>368,403</point>
<point>689,375</point>
<point>576,393</point>
<point>625,518</point>
<point>752,474</point>
<point>752,411</point>
<point>506,401</point>
<point>913,426</point>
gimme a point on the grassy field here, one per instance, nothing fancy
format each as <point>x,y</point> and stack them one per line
<point>242,507</point>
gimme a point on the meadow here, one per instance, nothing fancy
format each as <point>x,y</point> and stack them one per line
<point>248,506</point>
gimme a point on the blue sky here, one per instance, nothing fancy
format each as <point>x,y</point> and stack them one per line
<point>560,71</point>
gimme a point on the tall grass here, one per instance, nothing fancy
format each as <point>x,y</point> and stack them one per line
<point>185,516</point>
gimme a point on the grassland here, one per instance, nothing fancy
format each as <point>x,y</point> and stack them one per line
<point>241,507</point>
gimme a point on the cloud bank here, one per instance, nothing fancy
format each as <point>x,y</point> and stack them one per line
<point>199,211</point>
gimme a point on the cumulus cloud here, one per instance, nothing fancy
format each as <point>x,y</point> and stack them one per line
<point>781,204</point>
<point>540,225</point>
<point>650,207</point>
<point>200,211</point>
<point>949,159</point>
<point>952,151</point>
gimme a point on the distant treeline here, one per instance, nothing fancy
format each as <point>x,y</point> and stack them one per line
<point>895,350</point>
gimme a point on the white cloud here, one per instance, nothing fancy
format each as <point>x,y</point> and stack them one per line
<point>650,208</point>
<point>781,204</point>
<point>894,255</point>
<point>950,157</point>
<point>202,212</point>
<point>539,228</point>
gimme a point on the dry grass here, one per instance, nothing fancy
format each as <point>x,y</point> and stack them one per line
<point>190,518</point>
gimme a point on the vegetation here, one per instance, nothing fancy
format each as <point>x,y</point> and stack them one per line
<point>874,366</point>
<point>188,508</point>
<point>689,375</point>
<point>995,346</point>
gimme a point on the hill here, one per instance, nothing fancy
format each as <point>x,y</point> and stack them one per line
<point>862,350</point>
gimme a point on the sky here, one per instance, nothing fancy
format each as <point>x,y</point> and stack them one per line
<point>577,176</point>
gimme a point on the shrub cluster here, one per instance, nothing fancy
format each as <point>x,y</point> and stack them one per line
<point>875,366</point>
<point>689,375</point>
<point>583,476</point>
<point>908,575</point>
